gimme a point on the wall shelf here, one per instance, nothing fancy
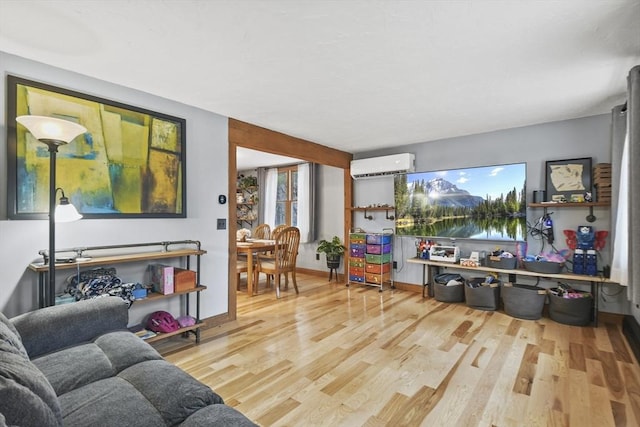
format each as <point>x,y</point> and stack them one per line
<point>384,209</point>
<point>590,218</point>
<point>570,205</point>
<point>98,256</point>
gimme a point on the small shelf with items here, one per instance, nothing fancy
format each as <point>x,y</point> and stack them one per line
<point>247,205</point>
<point>561,205</point>
<point>100,256</point>
<point>384,208</point>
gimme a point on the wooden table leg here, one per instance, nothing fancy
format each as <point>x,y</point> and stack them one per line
<point>250,273</point>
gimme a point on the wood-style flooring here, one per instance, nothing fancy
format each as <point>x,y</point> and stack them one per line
<point>351,356</point>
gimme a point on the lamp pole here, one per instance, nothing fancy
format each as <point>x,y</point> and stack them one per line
<point>53,132</point>
<point>51,289</point>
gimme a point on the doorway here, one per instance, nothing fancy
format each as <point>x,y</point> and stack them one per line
<point>246,135</point>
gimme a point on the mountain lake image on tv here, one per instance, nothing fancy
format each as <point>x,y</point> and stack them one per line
<point>486,202</point>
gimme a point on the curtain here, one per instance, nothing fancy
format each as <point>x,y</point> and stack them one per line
<point>262,177</point>
<point>306,202</point>
<point>626,164</point>
<point>270,196</point>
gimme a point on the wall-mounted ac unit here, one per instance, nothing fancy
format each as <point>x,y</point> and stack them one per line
<point>381,166</point>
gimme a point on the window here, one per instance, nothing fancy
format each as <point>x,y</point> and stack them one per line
<point>287,196</point>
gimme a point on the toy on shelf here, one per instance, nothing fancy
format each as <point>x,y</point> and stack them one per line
<point>585,242</point>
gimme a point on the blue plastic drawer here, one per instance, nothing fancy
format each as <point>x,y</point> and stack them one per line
<point>379,249</point>
<point>378,239</point>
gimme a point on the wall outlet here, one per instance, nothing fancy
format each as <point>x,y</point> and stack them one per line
<point>317,257</point>
<point>222,223</point>
<point>395,265</point>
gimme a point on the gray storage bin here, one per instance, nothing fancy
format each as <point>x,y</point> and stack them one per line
<point>501,262</point>
<point>544,266</point>
<point>570,311</point>
<point>483,297</point>
<point>446,293</point>
<point>523,301</point>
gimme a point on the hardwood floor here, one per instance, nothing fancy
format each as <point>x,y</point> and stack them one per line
<point>340,356</point>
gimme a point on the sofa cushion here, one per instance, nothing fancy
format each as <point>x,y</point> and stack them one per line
<point>10,339</point>
<point>218,416</point>
<point>53,328</point>
<point>77,366</point>
<point>26,397</point>
<point>174,393</point>
<point>109,402</point>
<point>125,349</point>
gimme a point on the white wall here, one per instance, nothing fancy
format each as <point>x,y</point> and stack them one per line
<point>207,173</point>
<point>585,137</point>
<point>330,215</point>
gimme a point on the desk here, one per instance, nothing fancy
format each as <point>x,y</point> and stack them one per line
<point>435,266</point>
<point>249,248</point>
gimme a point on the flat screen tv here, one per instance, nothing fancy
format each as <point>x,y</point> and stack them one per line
<point>487,202</point>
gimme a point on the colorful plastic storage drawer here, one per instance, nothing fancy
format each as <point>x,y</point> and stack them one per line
<point>356,271</point>
<point>356,262</point>
<point>357,253</point>
<point>357,246</point>
<point>378,259</point>
<point>356,279</point>
<point>377,278</point>
<point>378,268</point>
<point>357,238</point>
<point>377,239</point>
<point>379,249</point>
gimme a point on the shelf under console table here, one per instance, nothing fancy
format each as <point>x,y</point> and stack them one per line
<point>99,256</point>
<point>431,268</point>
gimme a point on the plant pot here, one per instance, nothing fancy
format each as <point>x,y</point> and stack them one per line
<point>333,261</point>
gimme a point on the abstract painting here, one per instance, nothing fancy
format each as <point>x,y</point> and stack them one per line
<point>129,164</point>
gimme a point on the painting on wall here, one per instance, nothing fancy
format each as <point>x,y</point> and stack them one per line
<point>129,164</point>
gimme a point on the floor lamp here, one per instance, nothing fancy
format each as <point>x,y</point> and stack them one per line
<point>54,133</point>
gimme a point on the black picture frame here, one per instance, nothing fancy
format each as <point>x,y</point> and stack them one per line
<point>131,163</point>
<point>568,180</point>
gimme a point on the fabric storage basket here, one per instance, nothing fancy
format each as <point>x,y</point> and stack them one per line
<point>544,266</point>
<point>444,293</point>
<point>483,297</point>
<point>501,262</point>
<point>523,301</point>
<point>570,311</point>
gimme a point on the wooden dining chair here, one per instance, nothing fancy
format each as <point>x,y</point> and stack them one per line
<point>241,267</point>
<point>262,231</point>
<point>277,229</point>
<point>284,258</point>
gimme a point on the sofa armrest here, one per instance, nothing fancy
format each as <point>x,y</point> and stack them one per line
<point>53,328</point>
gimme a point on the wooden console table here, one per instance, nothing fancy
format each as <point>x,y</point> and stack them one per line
<point>434,268</point>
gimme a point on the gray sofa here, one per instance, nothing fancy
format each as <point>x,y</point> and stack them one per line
<point>78,365</point>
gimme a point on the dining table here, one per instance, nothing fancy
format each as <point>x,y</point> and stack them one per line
<point>250,247</point>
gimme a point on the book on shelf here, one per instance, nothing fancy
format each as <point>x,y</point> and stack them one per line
<point>141,332</point>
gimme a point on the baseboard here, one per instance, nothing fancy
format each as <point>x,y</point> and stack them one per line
<point>631,331</point>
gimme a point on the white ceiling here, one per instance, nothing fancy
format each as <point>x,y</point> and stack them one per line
<point>353,75</point>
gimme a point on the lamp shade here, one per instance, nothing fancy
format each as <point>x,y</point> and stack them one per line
<point>45,128</point>
<point>66,212</point>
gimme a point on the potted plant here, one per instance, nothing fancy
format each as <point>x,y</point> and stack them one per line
<point>333,250</point>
